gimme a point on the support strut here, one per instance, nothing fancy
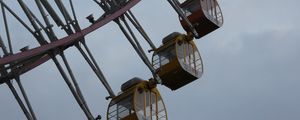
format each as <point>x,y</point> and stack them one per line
<point>97,70</point>
<point>141,30</point>
<point>25,97</point>
<point>20,102</point>
<point>73,91</point>
<point>135,44</point>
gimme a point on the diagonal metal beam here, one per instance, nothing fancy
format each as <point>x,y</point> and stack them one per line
<point>76,86</point>
<point>16,16</point>
<point>6,29</point>
<point>20,102</point>
<point>97,71</point>
<point>139,27</point>
<point>37,33</point>
<point>72,89</point>
<point>134,43</point>
<point>25,97</point>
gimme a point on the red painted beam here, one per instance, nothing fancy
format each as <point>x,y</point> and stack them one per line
<point>24,69</point>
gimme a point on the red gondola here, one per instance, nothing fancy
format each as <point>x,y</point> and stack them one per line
<point>205,15</point>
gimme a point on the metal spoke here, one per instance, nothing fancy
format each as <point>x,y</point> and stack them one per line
<point>72,89</point>
<point>3,47</point>
<point>97,71</point>
<point>37,34</point>
<point>48,28</point>
<point>138,26</point>
<point>78,90</point>
<point>7,29</point>
<point>138,50</point>
<point>25,97</point>
<point>16,16</point>
<point>73,12</point>
<point>107,86</point>
<point>20,102</point>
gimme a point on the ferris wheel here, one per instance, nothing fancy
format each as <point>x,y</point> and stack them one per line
<point>175,63</point>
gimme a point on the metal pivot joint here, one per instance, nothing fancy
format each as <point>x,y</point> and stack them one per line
<point>175,5</point>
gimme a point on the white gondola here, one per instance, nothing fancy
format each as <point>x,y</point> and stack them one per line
<point>138,101</point>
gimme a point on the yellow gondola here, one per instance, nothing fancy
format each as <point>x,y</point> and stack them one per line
<point>177,61</point>
<point>205,15</point>
<point>138,101</point>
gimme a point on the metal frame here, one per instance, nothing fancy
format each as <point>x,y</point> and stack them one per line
<point>15,64</point>
<point>62,43</point>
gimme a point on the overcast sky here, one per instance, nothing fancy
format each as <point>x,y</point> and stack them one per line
<point>251,66</point>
